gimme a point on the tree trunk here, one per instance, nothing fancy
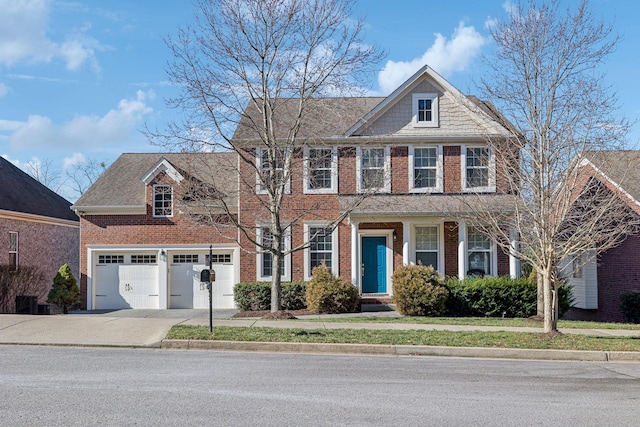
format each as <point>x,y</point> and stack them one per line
<point>540,294</point>
<point>550,314</point>
<point>276,283</point>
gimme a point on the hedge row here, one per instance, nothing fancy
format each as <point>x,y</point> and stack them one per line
<point>497,297</point>
<point>257,296</point>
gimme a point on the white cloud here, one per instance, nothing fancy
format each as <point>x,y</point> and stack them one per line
<point>75,159</point>
<point>4,89</point>
<point>444,56</point>
<point>89,131</point>
<point>24,38</point>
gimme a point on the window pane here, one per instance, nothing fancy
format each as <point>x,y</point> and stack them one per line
<point>477,167</point>
<point>373,158</point>
<point>372,178</point>
<point>427,238</point>
<point>427,259</point>
<point>424,110</point>
<point>320,247</point>
<point>479,251</point>
<point>162,200</point>
<point>424,178</point>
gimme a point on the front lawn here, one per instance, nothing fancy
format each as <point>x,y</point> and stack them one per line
<point>412,337</point>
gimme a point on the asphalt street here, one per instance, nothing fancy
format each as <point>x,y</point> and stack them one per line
<point>149,387</point>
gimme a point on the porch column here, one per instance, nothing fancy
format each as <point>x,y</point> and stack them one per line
<point>514,263</point>
<point>354,254</point>
<point>462,249</point>
<point>406,235</point>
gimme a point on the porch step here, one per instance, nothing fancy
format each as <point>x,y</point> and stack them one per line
<point>376,302</point>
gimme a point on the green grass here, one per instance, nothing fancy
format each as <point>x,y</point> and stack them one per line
<point>478,321</point>
<point>411,337</point>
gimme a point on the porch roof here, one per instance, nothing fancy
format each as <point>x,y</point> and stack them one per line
<point>427,204</point>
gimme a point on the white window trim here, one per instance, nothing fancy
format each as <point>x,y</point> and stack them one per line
<point>434,122</point>
<point>439,170</point>
<point>493,251</point>
<point>387,171</point>
<point>286,274</point>
<point>335,253</point>
<point>412,256</point>
<point>17,248</point>
<point>259,189</point>
<point>154,201</point>
<point>334,172</point>
<point>491,188</point>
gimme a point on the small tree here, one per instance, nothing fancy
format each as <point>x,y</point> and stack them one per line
<point>65,291</point>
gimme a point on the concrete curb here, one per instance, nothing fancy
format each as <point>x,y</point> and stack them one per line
<point>404,350</point>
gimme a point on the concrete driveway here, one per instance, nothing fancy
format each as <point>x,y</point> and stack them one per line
<point>129,328</point>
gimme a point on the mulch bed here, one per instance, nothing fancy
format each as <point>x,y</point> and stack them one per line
<point>267,314</point>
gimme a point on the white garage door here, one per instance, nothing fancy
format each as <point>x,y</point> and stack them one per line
<point>127,280</point>
<point>185,289</point>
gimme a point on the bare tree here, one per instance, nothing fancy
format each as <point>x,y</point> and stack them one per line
<point>251,73</point>
<point>26,281</point>
<point>45,173</point>
<point>82,175</point>
<point>545,77</point>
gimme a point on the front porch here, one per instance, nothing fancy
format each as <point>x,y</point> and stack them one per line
<point>455,250</point>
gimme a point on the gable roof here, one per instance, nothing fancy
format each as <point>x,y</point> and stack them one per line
<point>340,118</point>
<point>121,188</point>
<point>324,118</point>
<point>482,111</point>
<point>23,194</point>
<point>620,169</point>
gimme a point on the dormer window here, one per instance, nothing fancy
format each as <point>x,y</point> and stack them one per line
<point>425,110</point>
<point>162,200</point>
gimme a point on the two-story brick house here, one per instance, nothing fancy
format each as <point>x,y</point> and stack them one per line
<point>399,171</point>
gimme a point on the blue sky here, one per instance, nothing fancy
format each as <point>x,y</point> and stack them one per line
<point>80,79</point>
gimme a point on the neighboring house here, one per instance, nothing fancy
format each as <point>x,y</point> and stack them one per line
<point>421,151</point>
<point>37,228</point>
<point>598,281</point>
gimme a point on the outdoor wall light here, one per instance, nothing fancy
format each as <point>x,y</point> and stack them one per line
<point>395,235</point>
<point>163,255</point>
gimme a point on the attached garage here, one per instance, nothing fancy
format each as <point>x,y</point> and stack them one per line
<point>126,280</point>
<point>185,289</point>
<point>160,278</point>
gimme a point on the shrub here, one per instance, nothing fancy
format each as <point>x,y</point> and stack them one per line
<point>257,296</point>
<point>65,291</point>
<point>418,291</point>
<point>492,297</point>
<point>327,293</point>
<point>630,306</point>
<point>498,297</point>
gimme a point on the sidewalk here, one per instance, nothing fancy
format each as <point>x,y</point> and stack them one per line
<point>147,329</point>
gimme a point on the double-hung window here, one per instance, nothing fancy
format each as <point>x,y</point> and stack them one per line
<point>322,249</point>
<point>480,252</point>
<point>425,109</point>
<point>13,250</point>
<point>162,200</point>
<point>271,170</point>
<point>265,257</point>
<point>321,171</point>
<point>374,169</point>
<point>479,169</point>
<point>427,245</point>
<point>425,169</point>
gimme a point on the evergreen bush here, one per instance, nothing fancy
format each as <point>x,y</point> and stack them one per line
<point>327,293</point>
<point>418,291</point>
<point>65,292</point>
<point>256,296</point>
<point>630,306</point>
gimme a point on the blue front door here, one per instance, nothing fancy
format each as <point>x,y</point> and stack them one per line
<point>374,264</point>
